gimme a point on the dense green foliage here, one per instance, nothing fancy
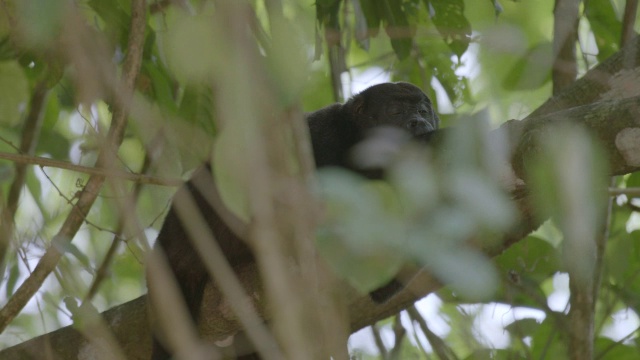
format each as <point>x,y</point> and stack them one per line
<point>483,62</point>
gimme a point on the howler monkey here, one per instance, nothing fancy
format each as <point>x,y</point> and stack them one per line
<point>334,131</point>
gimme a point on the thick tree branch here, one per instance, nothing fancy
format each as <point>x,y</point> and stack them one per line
<point>604,82</point>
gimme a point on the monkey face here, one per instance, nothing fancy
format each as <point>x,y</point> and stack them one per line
<point>416,118</point>
<point>400,105</point>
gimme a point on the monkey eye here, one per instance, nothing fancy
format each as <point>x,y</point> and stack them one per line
<point>394,110</point>
<point>423,112</point>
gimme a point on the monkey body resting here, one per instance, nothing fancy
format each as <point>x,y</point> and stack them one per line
<point>334,131</point>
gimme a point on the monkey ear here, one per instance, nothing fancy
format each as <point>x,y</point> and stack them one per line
<point>358,105</point>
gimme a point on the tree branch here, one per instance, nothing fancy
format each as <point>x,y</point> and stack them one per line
<point>46,162</point>
<point>565,34</point>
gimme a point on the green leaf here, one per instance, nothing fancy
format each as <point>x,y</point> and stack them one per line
<point>622,262</point>
<point>287,63</point>
<point>197,107</point>
<point>439,62</point>
<point>162,84</point>
<point>365,272</point>
<point>193,48</point>
<point>42,19</point>
<point>532,258</point>
<point>35,187</point>
<point>448,16</point>
<point>12,280</point>
<point>327,13</point>
<point>53,143</point>
<point>360,238</point>
<point>633,180</point>
<point>7,172</point>
<point>51,111</point>
<point>416,183</point>
<point>567,179</point>
<point>396,25</point>
<point>622,257</point>
<point>605,26</point>
<point>468,272</point>
<point>115,18</point>
<point>607,349</point>
<point>14,92</point>
<point>523,327</point>
<point>66,93</point>
<point>620,218</point>
<point>7,51</point>
<point>82,257</point>
<point>371,15</point>
<point>547,343</point>
<point>361,28</point>
<point>532,70</point>
<point>229,167</point>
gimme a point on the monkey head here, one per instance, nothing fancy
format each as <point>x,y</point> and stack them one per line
<point>400,105</point>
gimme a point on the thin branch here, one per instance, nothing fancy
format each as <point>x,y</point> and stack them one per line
<point>377,339</point>
<point>630,192</point>
<point>103,270</point>
<point>30,134</point>
<point>439,346</point>
<point>46,162</point>
<point>565,35</point>
<point>617,343</point>
<point>601,244</point>
<point>399,333</point>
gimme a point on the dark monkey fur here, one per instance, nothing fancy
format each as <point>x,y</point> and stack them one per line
<point>334,131</point>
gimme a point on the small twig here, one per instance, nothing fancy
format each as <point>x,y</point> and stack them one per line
<point>378,341</point>
<point>399,333</point>
<point>565,34</point>
<point>601,245</point>
<point>46,162</point>
<point>103,270</point>
<point>440,347</point>
<point>617,343</point>
<point>631,192</point>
